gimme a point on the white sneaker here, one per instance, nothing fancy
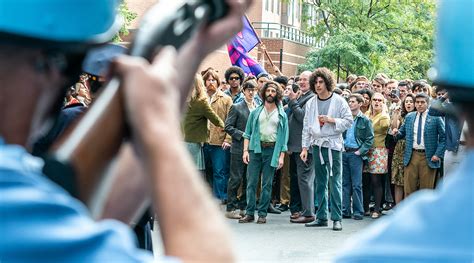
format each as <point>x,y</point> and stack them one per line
<point>232,215</point>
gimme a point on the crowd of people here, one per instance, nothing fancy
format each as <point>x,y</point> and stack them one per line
<point>321,149</point>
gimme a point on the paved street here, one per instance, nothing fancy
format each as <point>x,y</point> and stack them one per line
<point>281,241</point>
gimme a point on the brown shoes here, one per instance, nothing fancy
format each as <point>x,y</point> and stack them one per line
<point>303,219</point>
<point>295,215</point>
<point>247,219</point>
<point>261,220</point>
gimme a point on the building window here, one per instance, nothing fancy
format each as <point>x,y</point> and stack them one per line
<point>273,6</point>
<point>266,5</point>
<point>278,6</point>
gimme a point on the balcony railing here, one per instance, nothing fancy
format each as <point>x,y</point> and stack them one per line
<point>276,30</point>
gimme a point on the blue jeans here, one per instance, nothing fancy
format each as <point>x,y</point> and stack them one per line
<point>220,160</point>
<point>352,184</point>
<point>259,163</point>
<point>323,177</point>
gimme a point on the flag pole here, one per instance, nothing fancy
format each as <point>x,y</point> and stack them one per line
<point>260,42</point>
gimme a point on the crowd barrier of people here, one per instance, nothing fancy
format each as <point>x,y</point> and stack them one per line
<point>354,149</point>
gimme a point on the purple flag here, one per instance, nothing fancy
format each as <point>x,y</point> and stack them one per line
<point>240,45</point>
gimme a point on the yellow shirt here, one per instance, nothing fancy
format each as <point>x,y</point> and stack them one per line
<point>381,123</point>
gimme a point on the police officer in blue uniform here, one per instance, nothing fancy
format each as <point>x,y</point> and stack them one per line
<point>42,44</point>
<point>435,226</point>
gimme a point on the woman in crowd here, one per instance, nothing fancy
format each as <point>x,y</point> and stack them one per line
<point>367,94</point>
<point>82,94</point>
<point>195,121</point>
<point>398,118</point>
<point>378,154</point>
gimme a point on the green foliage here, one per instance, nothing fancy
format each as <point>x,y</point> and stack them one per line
<point>367,37</point>
<point>128,16</point>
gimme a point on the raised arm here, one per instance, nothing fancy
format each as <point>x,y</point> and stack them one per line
<point>211,115</point>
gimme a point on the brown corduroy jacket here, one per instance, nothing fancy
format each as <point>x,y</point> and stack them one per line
<point>221,104</point>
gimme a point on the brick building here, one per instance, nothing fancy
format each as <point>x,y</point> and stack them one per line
<point>279,26</point>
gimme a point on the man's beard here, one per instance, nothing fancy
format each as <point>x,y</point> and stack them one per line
<point>270,98</point>
<point>211,88</point>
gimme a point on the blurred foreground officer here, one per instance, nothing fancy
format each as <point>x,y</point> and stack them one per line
<point>435,226</point>
<point>39,57</point>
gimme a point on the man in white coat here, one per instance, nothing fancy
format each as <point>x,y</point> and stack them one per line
<point>327,116</point>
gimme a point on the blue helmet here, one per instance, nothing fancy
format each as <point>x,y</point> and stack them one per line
<point>454,61</point>
<point>69,24</point>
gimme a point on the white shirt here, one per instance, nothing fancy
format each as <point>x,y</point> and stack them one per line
<point>420,146</point>
<point>268,125</point>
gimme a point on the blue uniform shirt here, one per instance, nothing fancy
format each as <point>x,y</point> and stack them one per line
<point>429,226</point>
<point>40,222</point>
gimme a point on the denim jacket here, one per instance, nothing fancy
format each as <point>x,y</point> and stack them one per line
<point>364,134</point>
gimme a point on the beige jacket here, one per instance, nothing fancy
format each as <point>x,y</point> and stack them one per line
<point>221,104</point>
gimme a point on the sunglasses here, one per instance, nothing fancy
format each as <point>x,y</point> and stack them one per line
<point>234,78</point>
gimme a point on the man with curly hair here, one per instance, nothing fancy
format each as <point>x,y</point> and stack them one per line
<point>327,116</point>
<point>235,77</point>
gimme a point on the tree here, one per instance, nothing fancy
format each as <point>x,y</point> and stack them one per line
<point>370,36</point>
<point>128,16</point>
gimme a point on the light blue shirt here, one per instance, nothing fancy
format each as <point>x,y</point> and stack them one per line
<point>428,226</point>
<point>350,141</point>
<point>40,222</point>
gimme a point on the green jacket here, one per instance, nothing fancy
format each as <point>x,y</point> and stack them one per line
<point>364,134</point>
<point>252,133</point>
<point>195,121</point>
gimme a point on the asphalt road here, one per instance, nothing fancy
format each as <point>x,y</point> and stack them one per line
<point>281,241</point>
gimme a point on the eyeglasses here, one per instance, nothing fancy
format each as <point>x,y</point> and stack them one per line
<point>234,78</point>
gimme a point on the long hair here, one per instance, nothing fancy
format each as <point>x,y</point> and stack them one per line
<point>328,77</point>
<point>199,91</point>
<point>212,73</point>
<point>404,111</point>
<point>273,84</point>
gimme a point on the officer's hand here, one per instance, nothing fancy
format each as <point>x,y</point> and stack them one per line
<point>151,97</point>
